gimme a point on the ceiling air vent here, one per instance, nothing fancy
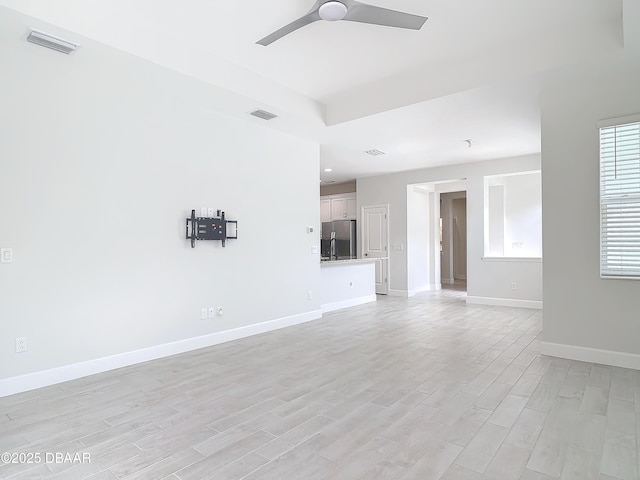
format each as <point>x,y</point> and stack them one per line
<point>263,114</point>
<point>49,41</point>
<point>374,152</point>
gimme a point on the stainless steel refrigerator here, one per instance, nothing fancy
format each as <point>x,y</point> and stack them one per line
<point>338,240</point>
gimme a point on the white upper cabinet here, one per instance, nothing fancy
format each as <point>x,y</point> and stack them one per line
<point>325,209</point>
<point>338,207</point>
<point>351,208</point>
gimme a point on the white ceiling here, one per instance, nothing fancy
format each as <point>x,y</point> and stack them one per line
<point>474,71</point>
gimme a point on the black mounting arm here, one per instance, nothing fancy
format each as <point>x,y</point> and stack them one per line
<point>210,228</point>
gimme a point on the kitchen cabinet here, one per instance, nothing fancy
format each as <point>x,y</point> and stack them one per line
<point>338,207</point>
<point>343,208</point>
<point>352,213</point>
<point>325,210</point>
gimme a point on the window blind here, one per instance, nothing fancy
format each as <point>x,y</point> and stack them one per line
<point>620,200</point>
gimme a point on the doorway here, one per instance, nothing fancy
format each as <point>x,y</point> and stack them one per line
<point>453,250</point>
<point>430,236</point>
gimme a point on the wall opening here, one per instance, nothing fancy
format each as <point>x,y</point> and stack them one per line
<point>454,240</point>
<point>435,228</point>
<point>513,215</point>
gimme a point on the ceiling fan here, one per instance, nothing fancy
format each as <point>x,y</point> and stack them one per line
<point>350,10</point>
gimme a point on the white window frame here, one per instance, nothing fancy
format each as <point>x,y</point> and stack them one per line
<point>630,200</point>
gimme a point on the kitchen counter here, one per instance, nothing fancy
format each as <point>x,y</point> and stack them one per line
<point>346,283</point>
<point>347,261</point>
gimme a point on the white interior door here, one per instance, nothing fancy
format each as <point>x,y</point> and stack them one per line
<point>375,233</point>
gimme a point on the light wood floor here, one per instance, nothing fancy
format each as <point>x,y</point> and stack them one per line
<point>423,388</point>
<point>458,284</point>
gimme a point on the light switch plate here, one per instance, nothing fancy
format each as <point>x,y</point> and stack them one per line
<point>314,249</point>
<point>6,255</point>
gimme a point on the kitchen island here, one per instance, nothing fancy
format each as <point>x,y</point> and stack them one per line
<point>346,283</point>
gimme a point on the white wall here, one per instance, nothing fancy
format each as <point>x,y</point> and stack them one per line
<point>102,158</point>
<point>523,215</point>
<point>459,214</point>
<point>584,315</point>
<point>418,239</point>
<point>486,281</point>
<point>494,218</point>
<point>435,282</point>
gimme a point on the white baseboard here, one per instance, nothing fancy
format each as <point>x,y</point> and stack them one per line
<point>44,378</point>
<point>505,302</point>
<point>352,302</point>
<point>421,288</point>
<point>591,355</point>
<point>412,292</point>
<point>398,293</point>
<point>424,288</point>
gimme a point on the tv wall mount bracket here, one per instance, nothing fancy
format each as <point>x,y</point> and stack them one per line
<point>210,228</point>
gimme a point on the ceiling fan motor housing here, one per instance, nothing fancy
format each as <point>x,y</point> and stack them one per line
<point>332,11</point>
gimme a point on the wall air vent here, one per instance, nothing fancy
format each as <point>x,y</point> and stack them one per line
<point>263,114</point>
<point>374,152</point>
<point>49,41</point>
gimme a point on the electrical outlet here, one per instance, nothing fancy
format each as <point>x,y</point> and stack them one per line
<point>309,295</point>
<point>219,311</point>
<point>210,212</point>
<point>203,314</point>
<point>21,344</point>
<point>350,284</point>
<point>203,211</point>
<point>212,312</point>
<point>6,255</point>
<point>514,286</point>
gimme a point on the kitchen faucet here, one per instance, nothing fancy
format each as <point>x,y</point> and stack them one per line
<point>332,242</point>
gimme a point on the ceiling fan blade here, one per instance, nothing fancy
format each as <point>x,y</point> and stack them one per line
<point>360,12</point>
<point>310,17</point>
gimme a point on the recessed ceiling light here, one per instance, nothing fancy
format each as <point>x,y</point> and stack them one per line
<point>328,170</point>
